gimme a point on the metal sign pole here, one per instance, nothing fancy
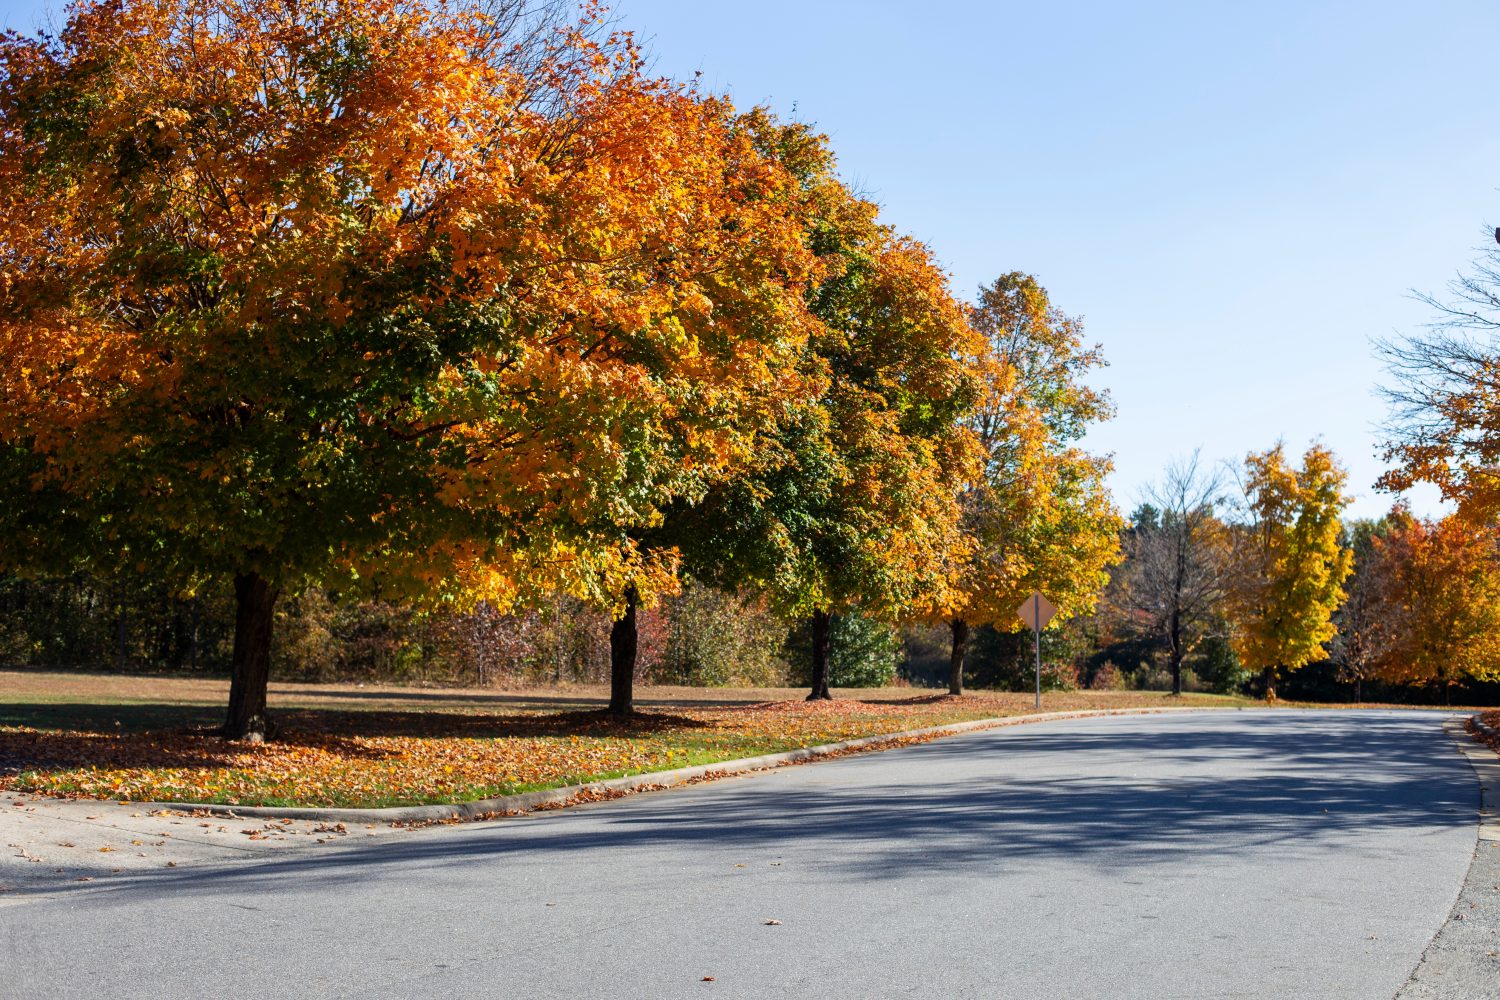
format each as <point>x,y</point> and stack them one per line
<point>1032,613</point>
<point>1036,611</point>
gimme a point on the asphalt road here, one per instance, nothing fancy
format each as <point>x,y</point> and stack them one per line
<point>1241,854</point>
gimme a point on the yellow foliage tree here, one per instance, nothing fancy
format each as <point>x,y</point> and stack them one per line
<point>1039,517</point>
<point>1290,567</point>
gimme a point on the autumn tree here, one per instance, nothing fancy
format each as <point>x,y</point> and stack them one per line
<point>1438,593</point>
<point>1039,517</point>
<point>851,502</point>
<point>1444,396</point>
<point>1174,580</point>
<point>719,419</point>
<point>369,293</point>
<point>1289,564</point>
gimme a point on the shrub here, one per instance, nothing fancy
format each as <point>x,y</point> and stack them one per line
<point>1219,667</point>
<point>1107,678</point>
<point>1059,677</point>
<point>712,638</point>
<point>1149,677</point>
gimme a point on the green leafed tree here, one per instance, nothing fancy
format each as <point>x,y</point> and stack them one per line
<point>851,503</point>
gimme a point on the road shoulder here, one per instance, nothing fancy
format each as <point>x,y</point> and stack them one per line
<point>1463,960</point>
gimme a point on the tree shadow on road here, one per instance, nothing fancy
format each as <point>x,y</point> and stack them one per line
<point>967,802</point>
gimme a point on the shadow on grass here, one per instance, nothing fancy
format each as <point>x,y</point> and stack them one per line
<point>443,725</point>
<point>561,699</point>
<point>108,717</point>
<point>184,736</point>
<point>298,723</point>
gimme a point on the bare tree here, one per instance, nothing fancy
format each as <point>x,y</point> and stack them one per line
<point>1444,395</point>
<point>1364,635</point>
<point>1174,577</point>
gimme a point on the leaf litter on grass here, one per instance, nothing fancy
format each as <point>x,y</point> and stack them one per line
<point>382,758</point>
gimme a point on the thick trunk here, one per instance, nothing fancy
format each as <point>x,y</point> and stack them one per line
<point>623,643</point>
<point>1269,676</point>
<point>1358,689</point>
<point>820,623</point>
<point>250,671</point>
<point>956,658</point>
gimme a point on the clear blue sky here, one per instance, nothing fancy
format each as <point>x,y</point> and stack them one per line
<point>1236,197</point>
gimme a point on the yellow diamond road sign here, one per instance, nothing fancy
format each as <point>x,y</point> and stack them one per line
<point>1036,611</point>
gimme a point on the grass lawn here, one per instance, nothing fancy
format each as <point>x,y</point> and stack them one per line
<point>145,738</point>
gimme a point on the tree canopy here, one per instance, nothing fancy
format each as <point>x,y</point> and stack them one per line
<point>1437,593</point>
<point>1290,565</point>
<point>360,292</point>
<point>852,501</point>
<point>1039,516</point>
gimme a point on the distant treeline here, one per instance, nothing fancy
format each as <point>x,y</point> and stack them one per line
<point>701,637</point>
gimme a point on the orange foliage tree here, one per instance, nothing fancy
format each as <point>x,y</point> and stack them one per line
<point>1444,395</point>
<point>370,293</point>
<point>1437,595</point>
<point>1040,517</point>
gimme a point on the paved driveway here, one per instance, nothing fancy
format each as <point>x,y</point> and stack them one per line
<point>1227,854</point>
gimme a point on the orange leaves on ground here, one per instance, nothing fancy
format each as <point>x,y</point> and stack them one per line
<point>1491,719</point>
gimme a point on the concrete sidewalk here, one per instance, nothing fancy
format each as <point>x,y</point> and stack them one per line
<point>51,845</point>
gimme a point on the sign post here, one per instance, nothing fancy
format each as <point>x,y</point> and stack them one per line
<point>1037,611</point>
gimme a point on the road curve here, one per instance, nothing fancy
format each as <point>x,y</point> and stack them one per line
<point>1227,854</point>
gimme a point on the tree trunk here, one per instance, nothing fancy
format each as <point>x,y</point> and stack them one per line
<point>624,640</point>
<point>1269,675</point>
<point>1175,654</point>
<point>1358,689</point>
<point>250,671</point>
<point>193,649</point>
<point>820,622</point>
<point>120,655</point>
<point>956,658</point>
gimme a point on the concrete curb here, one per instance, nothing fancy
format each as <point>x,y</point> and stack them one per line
<point>506,805</point>
<point>1463,959</point>
<point>1486,763</point>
